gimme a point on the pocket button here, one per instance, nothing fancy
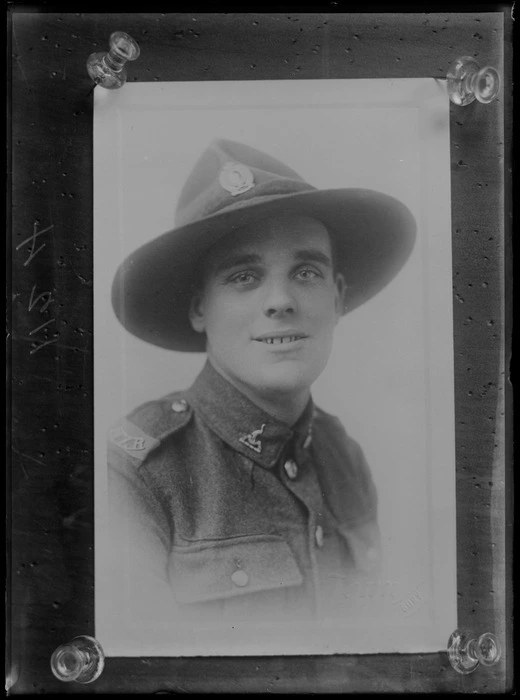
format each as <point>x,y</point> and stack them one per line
<point>240,578</point>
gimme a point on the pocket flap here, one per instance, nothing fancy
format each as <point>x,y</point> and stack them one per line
<point>231,567</point>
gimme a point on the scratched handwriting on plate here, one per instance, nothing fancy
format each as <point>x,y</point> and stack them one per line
<point>43,300</point>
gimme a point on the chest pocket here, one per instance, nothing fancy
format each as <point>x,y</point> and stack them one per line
<point>226,569</point>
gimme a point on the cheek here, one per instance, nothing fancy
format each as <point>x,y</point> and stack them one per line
<point>227,314</point>
<point>321,308</point>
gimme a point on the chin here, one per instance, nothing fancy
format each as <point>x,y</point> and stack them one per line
<point>287,379</point>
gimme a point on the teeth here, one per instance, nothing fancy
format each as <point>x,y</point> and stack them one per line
<point>283,339</point>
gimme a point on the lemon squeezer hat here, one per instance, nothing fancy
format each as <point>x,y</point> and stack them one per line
<point>231,186</point>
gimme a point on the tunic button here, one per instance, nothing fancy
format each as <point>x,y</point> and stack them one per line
<point>291,469</point>
<point>240,578</point>
<point>319,536</point>
<point>180,406</point>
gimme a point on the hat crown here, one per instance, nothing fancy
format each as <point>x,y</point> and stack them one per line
<point>228,173</point>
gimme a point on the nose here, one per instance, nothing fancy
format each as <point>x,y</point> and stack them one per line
<point>279,300</point>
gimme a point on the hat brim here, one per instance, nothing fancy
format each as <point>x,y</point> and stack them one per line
<point>374,235</point>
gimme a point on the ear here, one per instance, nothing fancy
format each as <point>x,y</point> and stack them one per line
<point>341,288</point>
<point>196,313</point>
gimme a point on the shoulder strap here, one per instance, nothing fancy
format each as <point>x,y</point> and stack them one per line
<point>144,429</point>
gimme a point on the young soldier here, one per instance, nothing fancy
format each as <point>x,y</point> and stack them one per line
<point>239,500</point>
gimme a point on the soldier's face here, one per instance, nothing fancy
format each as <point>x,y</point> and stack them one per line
<point>269,305</point>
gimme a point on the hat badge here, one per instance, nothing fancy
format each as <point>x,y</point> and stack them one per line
<point>236,178</point>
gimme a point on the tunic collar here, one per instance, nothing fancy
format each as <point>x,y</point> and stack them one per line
<point>244,426</point>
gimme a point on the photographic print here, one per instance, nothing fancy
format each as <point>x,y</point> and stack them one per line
<point>273,368</point>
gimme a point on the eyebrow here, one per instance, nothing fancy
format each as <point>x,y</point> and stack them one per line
<point>236,260</point>
<point>314,255</point>
<point>303,255</point>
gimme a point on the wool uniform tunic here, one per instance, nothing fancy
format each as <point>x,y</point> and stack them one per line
<point>220,514</point>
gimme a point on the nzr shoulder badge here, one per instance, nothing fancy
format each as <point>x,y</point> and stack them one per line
<point>131,439</point>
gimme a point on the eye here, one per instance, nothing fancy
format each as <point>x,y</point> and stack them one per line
<point>307,273</point>
<point>244,279</point>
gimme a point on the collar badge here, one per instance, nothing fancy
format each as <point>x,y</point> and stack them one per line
<point>236,178</point>
<point>251,440</point>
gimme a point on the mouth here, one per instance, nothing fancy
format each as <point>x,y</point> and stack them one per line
<point>280,339</point>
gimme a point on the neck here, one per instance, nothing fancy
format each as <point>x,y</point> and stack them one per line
<point>284,407</point>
